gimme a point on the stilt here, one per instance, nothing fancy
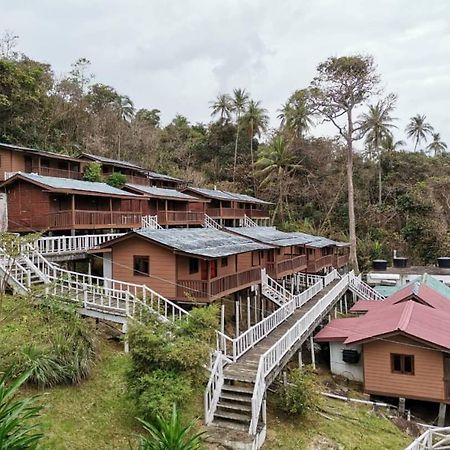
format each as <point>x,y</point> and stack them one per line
<point>442,411</point>
<point>249,318</point>
<point>345,304</point>
<point>125,332</point>
<point>335,312</point>
<point>401,406</point>
<point>313,356</point>
<point>263,308</point>
<point>222,317</point>
<point>300,357</point>
<point>89,267</point>
<point>298,282</point>
<point>292,284</point>
<point>255,304</point>
<point>236,313</point>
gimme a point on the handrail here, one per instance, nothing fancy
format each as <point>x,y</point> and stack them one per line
<point>65,244</point>
<point>363,289</point>
<point>211,223</point>
<point>433,438</point>
<point>151,222</point>
<point>214,387</point>
<point>272,357</point>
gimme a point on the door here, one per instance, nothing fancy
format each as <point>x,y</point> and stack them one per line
<point>204,269</point>
<point>447,375</point>
<point>213,269</point>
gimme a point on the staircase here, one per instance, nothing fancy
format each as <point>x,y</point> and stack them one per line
<point>209,222</point>
<point>362,290</point>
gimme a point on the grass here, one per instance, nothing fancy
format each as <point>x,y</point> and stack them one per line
<point>351,427</point>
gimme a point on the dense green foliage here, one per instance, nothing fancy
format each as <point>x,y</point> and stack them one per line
<point>170,434</point>
<point>299,395</point>
<point>168,361</point>
<point>18,428</point>
<point>93,172</point>
<point>117,180</point>
<point>48,339</point>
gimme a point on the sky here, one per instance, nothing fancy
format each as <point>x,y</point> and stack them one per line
<point>177,55</point>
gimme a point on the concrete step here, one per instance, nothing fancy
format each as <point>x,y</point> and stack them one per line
<point>229,424</point>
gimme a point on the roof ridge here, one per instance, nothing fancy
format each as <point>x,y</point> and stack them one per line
<point>406,315</point>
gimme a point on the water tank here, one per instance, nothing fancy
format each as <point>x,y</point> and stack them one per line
<point>379,265</point>
<point>444,262</point>
<point>350,356</point>
<point>400,262</point>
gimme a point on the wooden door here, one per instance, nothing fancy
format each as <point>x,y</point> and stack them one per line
<point>204,269</point>
<point>447,375</point>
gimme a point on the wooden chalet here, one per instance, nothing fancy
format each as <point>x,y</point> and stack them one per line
<point>14,158</point>
<point>229,208</point>
<point>399,347</point>
<point>171,207</point>
<point>37,202</point>
<point>185,264</point>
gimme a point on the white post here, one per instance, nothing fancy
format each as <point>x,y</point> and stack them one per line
<point>236,312</point>
<point>313,356</point>
<point>125,340</point>
<point>222,318</point>
<point>300,357</point>
<point>249,321</point>
<point>345,304</point>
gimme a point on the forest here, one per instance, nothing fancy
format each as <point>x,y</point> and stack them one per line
<point>363,185</point>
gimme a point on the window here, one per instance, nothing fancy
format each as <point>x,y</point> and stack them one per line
<point>193,265</point>
<point>255,259</point>
<point>403,364</point>
<point>224,261</point>
<point>141,266</point>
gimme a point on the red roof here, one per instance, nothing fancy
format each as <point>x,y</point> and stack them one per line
<point>366,305</point>
<point>336,330</point>
<point>421,293</point>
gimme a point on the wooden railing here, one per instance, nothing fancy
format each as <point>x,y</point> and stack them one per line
<point>68,219</point>
<point>256,213</point>
<point>341,260</point>
<point>218,286</point>
<point>317,264</point>
<point>294,264</point>
<point>226,213</point>
<point>143,180</point>
<point>180,217</point>
<point>59,173</point>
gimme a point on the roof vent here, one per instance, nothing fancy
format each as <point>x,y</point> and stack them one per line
<point>444,262</point>
<point>400,262</point>
<point>379,265</point>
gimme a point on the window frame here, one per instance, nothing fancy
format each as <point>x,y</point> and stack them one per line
<point>224,261</point>
<point>197,264</point>
<point>137,272</point>
<point>402,370</point>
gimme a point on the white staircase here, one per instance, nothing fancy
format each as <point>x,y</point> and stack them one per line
<point>362,290</point>
<point>211,223</point>
<point>151,222</point>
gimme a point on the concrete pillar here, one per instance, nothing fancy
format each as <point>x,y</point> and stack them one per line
<point>125,331</point>
<point>222,317</point>
<point>401,406</point>
<point>345,304</point>
<point>249,319</point>
<point>236,312</point>
<point>89,267</point>
<point>442,411</point>
<point>313,356</point>
<point>300,357</point>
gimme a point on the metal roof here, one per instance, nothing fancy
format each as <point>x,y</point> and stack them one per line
<point>68,184</point>
<point>161,176</point>
<point>203,242</point>
<point>37,151</point>
<point>228,196</point>
<point>162,192</point>
<point>269,235</point>
<point>115,162</point>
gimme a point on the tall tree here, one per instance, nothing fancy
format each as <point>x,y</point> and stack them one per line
<point>377,125</point>
<point>388,143</point>
<point>256,120</point>
<point>276,164</point>
<point>239,103</point>
<point>418,129</point>
<point>437,146</point>
<point>340,86</point>
<point>222,107</point>
<point>296,114</point>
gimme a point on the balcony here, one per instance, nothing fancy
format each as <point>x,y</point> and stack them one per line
<point>341,261</point>
<point>140,180</point>
<point>286,267</point>
<point>257,213</point>
<point>218,287</point>
<point>180,217</point>
<point>226,213</point>
<point>93,219</point>
<point>58,173</point>
<point>316,265</point>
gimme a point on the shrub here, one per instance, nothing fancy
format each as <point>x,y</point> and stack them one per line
<point>300,394</point>
<point>18,429</point>
<point>117,180</point>
<point>170,434</point>
<point>93,172</point>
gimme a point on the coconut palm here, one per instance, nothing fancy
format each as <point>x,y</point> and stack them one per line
<point>239,103</point>
<point>296,115</point>
<point>418,129</point>
<point>377,125</point>
<point>256,120</point>
<point>275,165</point>
<point>125,107</point>
<point>437,146</point>
<point>222,107</point>
<point>389,145</point>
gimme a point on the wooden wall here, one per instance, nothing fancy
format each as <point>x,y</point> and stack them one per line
<point>427,381</point>
<point>10,162</point>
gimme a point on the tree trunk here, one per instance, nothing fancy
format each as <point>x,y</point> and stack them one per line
<point>253,160</point>
<point>379,179</point>
<point>236,147</point>
<point>353,260</point>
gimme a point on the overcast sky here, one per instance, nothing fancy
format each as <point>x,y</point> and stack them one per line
<point>177,55</point>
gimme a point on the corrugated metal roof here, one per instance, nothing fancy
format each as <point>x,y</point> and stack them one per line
<point>204,242</point>
<point>162,192</point>
<point>227,196</point>
<point>161,176</point>
<point>35,150</point>
<point>116,162</point>
<point>269,235</point>
<point>75,185</point>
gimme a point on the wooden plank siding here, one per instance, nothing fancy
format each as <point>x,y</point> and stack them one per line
<point>427,383</point>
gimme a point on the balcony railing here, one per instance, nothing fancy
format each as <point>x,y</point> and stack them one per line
<point>217,287</point>
<point>257,213</point>
<point>94,219</point>
<point>59,173</point>
<point>295,264</point>
<point>341,260</point>
<point>226,213</point>
<point>141,180</point>
<point>318,264</point>
<point>180,217</point>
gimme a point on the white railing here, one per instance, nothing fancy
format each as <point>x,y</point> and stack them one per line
<point>362,289</point>
<point>249,222</point>
<point>9,174</point>
<point>211,223</point>
<point>72,244</point>
<point>151,222</point>
<point>214,387</point>
<point>274,290</point>
<point>434,438</point>
<point>273,356</point>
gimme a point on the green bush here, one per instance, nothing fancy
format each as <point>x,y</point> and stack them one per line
<point>93,172</point>
<point>117,180</point>
<point>300,394</point>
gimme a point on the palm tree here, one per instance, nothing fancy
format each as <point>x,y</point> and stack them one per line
<point>377,125</point>
<point>418,129</point>
<point>239,102</point>
<point>125,107</point>
<point>256,119</point>
<point>437,146</point>
<point>222,106</point>
<point>296,115</point>
<point>276,163</point>
<point>389,145</point>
